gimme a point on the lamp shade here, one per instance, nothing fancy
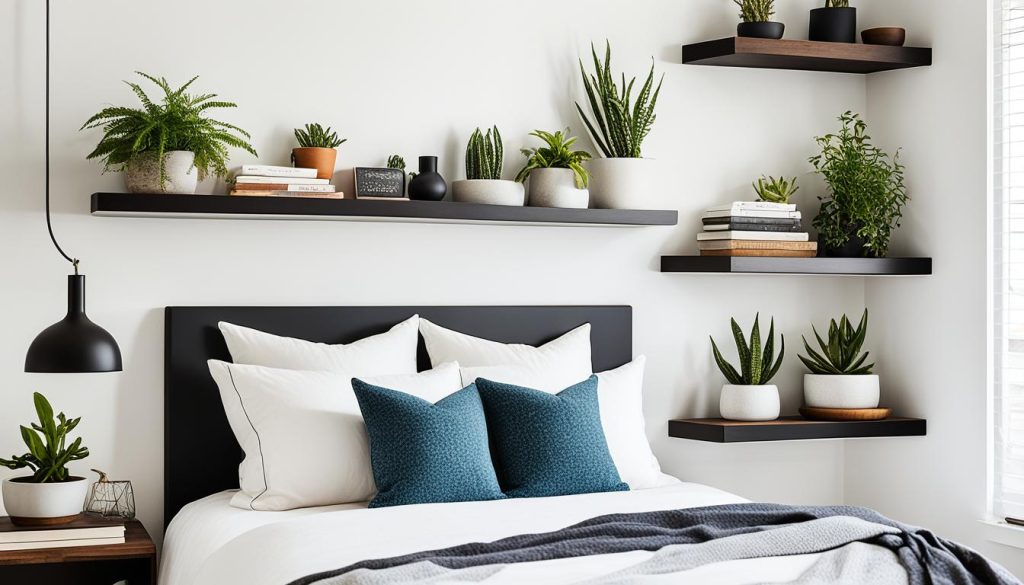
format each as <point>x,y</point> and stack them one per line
<point>74,344</point>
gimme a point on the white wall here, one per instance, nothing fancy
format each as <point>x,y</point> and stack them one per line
<point>412,78</point>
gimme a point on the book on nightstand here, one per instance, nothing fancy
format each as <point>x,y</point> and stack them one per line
<point>85,531</point>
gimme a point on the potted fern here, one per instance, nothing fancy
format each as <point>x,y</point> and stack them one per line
<point>166,146</point>
<point>317,149</point>
<point>757,20</point>
<point>555,171</point>
<point>51,495</point>
<point>748,396</point>
<point>839,377</point>
<point>622,178</point>
<point>485,158</point>
<point>835,23</point>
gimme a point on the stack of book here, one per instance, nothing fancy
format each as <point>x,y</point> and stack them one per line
<point>755,228</point>
<point>269,181</point>
<point>85,531</point>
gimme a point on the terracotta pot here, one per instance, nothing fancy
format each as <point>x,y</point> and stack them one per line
<point>321,159</point>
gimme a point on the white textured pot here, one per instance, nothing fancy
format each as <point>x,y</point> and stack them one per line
<point>556,188</point>
<point>27,502</point>
<point>821,391</point>
<point>750,403</point>
<point>622,183</point>
<point>143,173</point>
<point>489,192</point>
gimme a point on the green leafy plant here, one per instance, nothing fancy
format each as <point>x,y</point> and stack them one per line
<point>756,366</point>
<point>48,452</point>
<point>619,124</point>
<point>837,3</point>
<point>775,190</point>
<point>841,355</point>
<point>485,155</point>
<point>756,10</point>
<point>177,122</point>
<point>316,136</point>
<point>396,162</point>
<point>558,154</point>
<point>866,189</point>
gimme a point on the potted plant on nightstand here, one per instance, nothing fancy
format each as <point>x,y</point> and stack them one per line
<point>485,158</point>
<point>556,173</point>
<point>839,377</point>
<point>51,495</point>
<point>835,23</point>
<point>317,149</point>
<point>748,396</point>
<point>757,20</point>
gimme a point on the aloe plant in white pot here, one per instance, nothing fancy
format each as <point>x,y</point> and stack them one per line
<point>839,377</point>
<point>748,396</point>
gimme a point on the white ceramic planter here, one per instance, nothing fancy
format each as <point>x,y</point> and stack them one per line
<point>750,403</point>
<point>489,192</point>
<point>27,501</point>
<point>822,391</point>
<point>622,183</point>
<point>556,188</point>
<point>143,174</point>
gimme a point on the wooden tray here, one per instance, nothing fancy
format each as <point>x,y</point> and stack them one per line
<point>845,413</point>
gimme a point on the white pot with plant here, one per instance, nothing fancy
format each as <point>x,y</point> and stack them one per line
<point>622,179</point>
<point>485,159</point>
<point>555,171</point>
<point>748,396</point>
<point>51,495</point>
<point>166,147</point>
<point>840,378</point>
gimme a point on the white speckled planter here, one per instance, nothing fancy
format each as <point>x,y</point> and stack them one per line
<point>27,501</point>
<point>556,188</point>
<point>489,192</point>
<point>143,174</point>
<point>622,183</point>
<point>750,403</point>
<point>821,391</point>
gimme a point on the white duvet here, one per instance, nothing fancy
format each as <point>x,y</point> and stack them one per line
<point>211,543</point>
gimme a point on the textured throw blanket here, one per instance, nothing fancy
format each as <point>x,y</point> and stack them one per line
<point>689,538</point>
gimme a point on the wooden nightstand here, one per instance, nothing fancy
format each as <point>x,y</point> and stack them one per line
<point>134,562</point>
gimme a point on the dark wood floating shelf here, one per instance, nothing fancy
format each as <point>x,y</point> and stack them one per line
<point>822,266</point>
<point>716,430</point>
<point>804,55</point>
<point>225,206</point>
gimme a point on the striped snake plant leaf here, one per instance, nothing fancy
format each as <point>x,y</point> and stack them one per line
<point>755,352</point>
<point>758,365</point>
<point>741,349</point>
<point>730,373</point>
<point>765,378</point>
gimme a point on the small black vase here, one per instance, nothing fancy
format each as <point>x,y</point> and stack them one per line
<point>833,25</point>
<point>428,185</point>
<point>761,30</point>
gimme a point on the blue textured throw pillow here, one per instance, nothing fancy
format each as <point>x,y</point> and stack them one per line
<point>424,453</point>
<point>548,444</point>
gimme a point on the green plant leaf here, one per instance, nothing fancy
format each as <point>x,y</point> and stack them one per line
<point>730,373</point>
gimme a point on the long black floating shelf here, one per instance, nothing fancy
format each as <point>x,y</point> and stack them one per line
<point>804,55</point>
<point>773,265</point>
<point>225,206</point>
<point>716,430</point>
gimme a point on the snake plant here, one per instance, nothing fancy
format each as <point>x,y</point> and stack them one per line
<point>756,366</point>
<point>775,190</point>
<point>837,3</point>
<point>316,136</point>
<point>48,452</point>
<point>841,355</point>
<point>485,155</point>
<point>756,10</point>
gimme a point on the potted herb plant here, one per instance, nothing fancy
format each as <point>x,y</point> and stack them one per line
<point>748,396</point>
<point>835,23</point>
<point>556,173</point>
<point>839,377</point>
<point>866,192</point>
<point>166,146</point>
<point>317,149</point>
<point>485,158</point>
<point>757,20</point>
<point>51,495</point>
<point>620,124</point>
<point>775,190</point>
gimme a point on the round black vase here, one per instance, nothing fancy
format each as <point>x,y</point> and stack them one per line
<point>833,25</point>
<point>761,30</point>
<point>428,185</point>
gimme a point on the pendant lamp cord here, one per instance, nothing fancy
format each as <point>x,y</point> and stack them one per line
<point>49,223</point>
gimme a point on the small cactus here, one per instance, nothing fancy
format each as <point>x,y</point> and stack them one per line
<point>316,136</point>
<point>396,162</point>
<point>775,190</point>
<point>485,155</point>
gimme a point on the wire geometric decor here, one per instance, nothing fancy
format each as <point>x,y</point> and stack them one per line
<point>111,499</point>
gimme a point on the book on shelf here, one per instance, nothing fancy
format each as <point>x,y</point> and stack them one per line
<point>280,172</point>
<point>761,253</point>
<point>753,227</point>
<point>754,206</point>
<point>741,220</point>
<point>277,180</point>
<point>84,531</point>
<point>756,245</point>
<point>733,213</point>
<point>61,543</point>
<point>240,186</point>
<point>749,235</point>
<point>376,198</point>
<point>300,194</point>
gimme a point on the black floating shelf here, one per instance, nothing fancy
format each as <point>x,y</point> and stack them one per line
<point>804,55</point>
<point>225,206</point>
<point>773,265</point>
<point>715,430</point>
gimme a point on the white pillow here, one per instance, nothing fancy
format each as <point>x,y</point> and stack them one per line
<point>559,363</point>
<point>620,395</point>
<point>302,432</point>
<point>392,352</point>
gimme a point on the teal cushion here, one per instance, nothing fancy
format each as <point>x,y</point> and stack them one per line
<point>548,444</point>
<point>425,453</point>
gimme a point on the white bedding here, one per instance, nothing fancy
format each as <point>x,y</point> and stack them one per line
<point>211,543</point>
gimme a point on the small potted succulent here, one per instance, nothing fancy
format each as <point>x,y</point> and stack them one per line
<point>166,146</point>
<point>317,149</point>
<point>485,158</point>
<point>51,495</point>
<point>748,396</point>
<point>835,23</point>
<point>757,20</point>
<point>839,377</point>
<point>556,173</point>
<point>774,190</point>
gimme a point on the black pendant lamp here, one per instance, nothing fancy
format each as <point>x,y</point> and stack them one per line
<point>74,344</point>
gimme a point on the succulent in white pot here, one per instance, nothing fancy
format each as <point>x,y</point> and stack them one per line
<point>748,396</point>
<point>555,171</point>
<point>51,495</point>
<point>485,159</point>
<point>840,376</point>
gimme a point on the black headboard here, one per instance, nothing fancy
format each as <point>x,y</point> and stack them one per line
<point>201,455</point>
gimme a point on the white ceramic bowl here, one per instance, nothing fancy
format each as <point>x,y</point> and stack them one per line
<point>489,192</point>
<point>23,499</point>
<point>821,391</point>
<point>750,403</point>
